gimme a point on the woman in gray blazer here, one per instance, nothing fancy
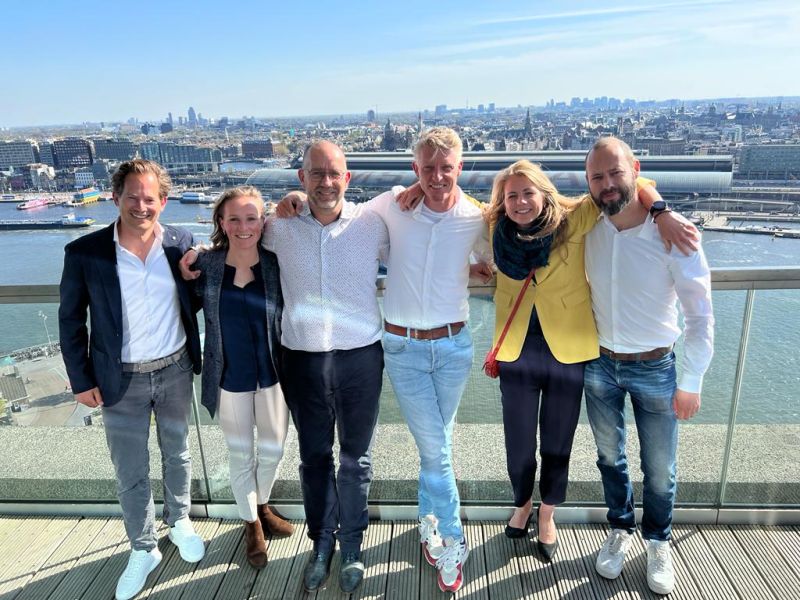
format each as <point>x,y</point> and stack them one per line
<point>242,304</point>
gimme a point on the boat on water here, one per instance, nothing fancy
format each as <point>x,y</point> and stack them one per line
<point>84,197</point>
<point>195,198</point>
<point>69,221</point>
<point>36,203</point>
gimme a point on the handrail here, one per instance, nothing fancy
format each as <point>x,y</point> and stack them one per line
<point>738,278</point>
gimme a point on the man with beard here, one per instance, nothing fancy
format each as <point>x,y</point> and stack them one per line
<point>635,284</point>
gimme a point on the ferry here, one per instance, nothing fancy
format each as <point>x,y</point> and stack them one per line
<point>35,203</point>
<point>195,198</point>
<point>69,221</point>
<point>84,197</point>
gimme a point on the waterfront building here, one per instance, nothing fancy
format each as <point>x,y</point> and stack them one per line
<point>186,158</point>
<point>770,162</point>
<point>84,178</point>
<point>45,154</point>
<point>16,154</point>
<point>72,152</point>
<point>120,150</point>
<point>657,146</point>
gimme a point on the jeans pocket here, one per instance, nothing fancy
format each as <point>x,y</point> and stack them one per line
<point>463,339</point>
<point>394,344</point>
<point>184,363</point>
<point>659,363</point>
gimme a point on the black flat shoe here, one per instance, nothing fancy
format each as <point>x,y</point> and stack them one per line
<point>548,551</point>
<point>519,532</point>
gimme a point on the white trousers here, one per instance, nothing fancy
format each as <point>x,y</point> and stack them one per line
<point>253,466</point>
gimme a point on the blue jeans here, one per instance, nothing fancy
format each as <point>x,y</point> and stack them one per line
<point>167,393</point>
<point>651,385</point>
<point>428,377</point>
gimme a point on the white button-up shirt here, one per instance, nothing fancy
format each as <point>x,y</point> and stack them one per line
<point>151,313</point>
<point>427,283</point>
<point>328,275</point>
<point>636,286</point>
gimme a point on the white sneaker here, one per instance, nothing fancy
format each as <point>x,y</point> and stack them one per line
<point>430,539</point>
<point>190,545</point>
<point>612,553</point>
<point>660,575</point>
<point>451,563</point>
<point>140,564</point>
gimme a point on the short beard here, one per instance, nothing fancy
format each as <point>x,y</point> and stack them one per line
<point>626,194</point>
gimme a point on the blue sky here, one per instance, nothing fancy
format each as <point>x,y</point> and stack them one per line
<point>68,62</point>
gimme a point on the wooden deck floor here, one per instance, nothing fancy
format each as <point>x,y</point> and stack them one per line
<point>67,558</point>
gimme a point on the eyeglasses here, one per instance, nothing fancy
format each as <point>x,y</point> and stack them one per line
<point>319,175</point>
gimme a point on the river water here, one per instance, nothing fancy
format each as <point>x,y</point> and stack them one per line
<point>771,391</point>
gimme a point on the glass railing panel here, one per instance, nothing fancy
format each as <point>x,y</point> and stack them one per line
<point>51,448</point>
<point>764,466</point>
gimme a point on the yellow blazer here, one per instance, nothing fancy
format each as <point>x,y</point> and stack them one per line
<point>561,296</point>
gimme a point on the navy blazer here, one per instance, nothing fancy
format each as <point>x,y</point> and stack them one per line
<point>209,287</point>
<point>90,281</point>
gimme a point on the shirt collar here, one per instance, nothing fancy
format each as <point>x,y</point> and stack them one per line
<point>157,230</point>
<point>418,208</point>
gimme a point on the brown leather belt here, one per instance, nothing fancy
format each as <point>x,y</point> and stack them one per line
<point>635,356</point>
<point>425,334</point>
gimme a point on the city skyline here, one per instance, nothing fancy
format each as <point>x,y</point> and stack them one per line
<point>105,64</point>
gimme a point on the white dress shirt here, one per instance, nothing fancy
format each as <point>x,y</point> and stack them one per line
<point>427,283</point>
<point>328,275</point>
<point>151,313</point>
<point>636,286</point>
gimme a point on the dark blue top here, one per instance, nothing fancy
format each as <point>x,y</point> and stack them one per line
<point>245,345</point>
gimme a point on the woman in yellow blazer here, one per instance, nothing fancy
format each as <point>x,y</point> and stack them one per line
<point>552,335</point>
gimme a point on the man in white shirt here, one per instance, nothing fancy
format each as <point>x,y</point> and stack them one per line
<point>139,358</point>
<point>635,286</point>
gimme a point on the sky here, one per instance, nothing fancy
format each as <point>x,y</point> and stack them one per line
<point>87,60</point>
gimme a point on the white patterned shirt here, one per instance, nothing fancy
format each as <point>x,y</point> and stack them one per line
<point>328,275</point>
<point>427,282</point>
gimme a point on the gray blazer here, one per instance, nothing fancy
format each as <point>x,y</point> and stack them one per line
<point>209,287</point>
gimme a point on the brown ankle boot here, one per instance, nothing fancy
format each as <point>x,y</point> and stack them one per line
<point>255,545</point>
<point>272,523</point>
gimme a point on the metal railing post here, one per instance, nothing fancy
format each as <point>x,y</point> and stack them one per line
<point>196,413</point>
<point>737,390</point>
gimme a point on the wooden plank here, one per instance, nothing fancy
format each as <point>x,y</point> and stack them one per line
<point>568,566</point>
<point>589,539</point>
<point>105,583</point>
<point>769,562</point>
<point>502,570</point>
<point>375,554</point>
<point>282,553</point>
<point>61,562</point>
<point>18,543</point>
<point>176,573</point>
<point>8,525</point>
<point>294,583</point>
<point>210,572</point>
<point>536,576</point>
<point>405,562</point>
<point>34,552</point>
<point>787,541</point>
<point>476,583</point>
<point>240,576</point>
<point>707,573</point>
<point>744,577</point>
<point>90,563</point>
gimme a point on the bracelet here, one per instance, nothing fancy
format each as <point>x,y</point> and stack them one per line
<point>661,212</point>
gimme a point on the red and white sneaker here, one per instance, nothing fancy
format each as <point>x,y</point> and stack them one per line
<point>451,563</point>
<point>430,539</point>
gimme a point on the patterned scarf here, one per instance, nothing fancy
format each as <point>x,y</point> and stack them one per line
<point>516,257</point>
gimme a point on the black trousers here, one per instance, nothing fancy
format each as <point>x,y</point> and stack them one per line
<point>539,393</point>
<point>324,390</point>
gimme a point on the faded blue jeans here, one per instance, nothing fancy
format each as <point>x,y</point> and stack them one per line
<point>167,393</point>
<point>651,385</point>
<point>428,377</point>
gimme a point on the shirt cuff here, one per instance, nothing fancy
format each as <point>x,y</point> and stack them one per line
<point>691,383</point>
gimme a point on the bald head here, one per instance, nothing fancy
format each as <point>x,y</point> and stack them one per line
<point>324,177</point>
<point>611,172</point>
<point>324,149</point>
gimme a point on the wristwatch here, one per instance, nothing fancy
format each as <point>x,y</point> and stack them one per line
<point>657,207</point>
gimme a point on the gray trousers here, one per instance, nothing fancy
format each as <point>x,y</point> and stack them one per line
<point>167,393</point>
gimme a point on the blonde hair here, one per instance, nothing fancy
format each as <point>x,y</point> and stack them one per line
<point>141,166</point>
<point>218,238</point>
<point>439,138</point>
<point>555,209</point>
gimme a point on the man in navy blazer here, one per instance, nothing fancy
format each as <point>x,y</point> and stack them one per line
<point>138,357</point>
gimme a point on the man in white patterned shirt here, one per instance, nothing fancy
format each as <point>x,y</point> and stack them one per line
<point>635,286</point>
<point>331,359</point>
